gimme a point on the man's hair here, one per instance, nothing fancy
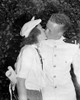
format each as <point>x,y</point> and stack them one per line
<point>61,18</point>
<point>32,38</point>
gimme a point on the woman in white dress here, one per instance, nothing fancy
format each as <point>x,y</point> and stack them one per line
<point>29,66</point>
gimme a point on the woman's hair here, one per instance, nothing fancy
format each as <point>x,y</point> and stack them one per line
<point>32,38</point>
<point>61,18</point>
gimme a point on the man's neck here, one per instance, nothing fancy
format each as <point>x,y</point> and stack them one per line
<point>55,38</point>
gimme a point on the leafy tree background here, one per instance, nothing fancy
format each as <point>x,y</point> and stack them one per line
<point>14,13</point>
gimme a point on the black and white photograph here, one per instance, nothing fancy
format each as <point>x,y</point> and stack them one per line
<point>39,49</point>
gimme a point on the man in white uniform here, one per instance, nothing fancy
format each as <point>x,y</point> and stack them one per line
<point>57,58</point>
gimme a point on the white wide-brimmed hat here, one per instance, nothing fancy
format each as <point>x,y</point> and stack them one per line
<point>27,27</point>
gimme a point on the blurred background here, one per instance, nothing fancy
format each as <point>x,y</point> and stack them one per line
<point>14,13</point>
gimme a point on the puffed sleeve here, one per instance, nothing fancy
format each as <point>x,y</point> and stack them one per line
<point>23,64</point>
<point>76,64</point>
<point>28,67</point>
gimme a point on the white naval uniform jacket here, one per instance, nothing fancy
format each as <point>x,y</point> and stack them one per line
<point>57,57</point>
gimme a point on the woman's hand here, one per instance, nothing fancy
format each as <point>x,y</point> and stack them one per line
<point>10,73</point>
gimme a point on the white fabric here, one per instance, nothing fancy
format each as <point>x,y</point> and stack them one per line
<point>57,58</point>
<point>10,73</point>
<point>27,27</point>
<point>76,65</point>
<point>55,80</point>
<point>28,66</point>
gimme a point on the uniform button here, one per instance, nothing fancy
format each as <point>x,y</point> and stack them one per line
<point>55,46</point>
<point>54,65</point>
<point>65,61</point>
<point>54,76</point>
<point>55,87</point>
<point>55,55</point>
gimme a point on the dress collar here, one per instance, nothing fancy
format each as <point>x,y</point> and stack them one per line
<point>34,45</point>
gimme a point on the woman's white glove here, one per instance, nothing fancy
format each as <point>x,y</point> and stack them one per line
<point>10,73</point>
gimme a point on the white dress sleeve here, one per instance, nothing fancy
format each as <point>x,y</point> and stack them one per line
<point>23,64</point>
<point>76,65</point>
<point>28,68</point>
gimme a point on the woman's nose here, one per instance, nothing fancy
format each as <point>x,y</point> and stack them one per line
<point>43,30</point>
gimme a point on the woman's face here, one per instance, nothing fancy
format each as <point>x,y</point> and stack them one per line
<point>42,35</point>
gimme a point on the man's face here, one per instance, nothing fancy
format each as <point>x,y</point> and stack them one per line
<point>54,30</point>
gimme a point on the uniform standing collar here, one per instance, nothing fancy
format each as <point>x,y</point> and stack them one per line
<point>51,42</point>
<point>61,39</point>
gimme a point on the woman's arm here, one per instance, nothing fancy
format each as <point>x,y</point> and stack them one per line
<point>22,92</point>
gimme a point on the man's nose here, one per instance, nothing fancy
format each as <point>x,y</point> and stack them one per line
<point>46,31</point>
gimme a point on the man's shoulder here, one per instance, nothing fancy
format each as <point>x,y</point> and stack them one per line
<point>71,46</point>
